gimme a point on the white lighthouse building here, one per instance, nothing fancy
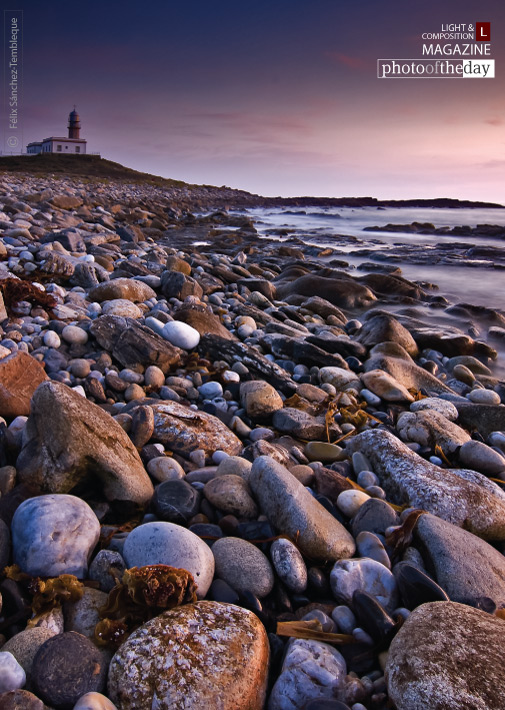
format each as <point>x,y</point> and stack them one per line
<point>73,144</point>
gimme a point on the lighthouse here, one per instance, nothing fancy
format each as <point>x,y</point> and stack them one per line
<point>74,124</point>
<point>55,144</point>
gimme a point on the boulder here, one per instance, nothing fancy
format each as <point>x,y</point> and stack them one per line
<point>20,375</point>
<point>66,439</point>
<point>396,361</point>
<point>430,428</point>
<point>447,656</point>
<point>183,430</point>
<point>129,289</point>
<point>382,327</point>
<point>202,655</point>
<point>343,291</point>
<point>462,497</point>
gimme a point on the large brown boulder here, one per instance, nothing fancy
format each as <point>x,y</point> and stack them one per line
<point>20,375</point>
<point>447,656</point>
<point>67,439</point>
<point>202,655</point>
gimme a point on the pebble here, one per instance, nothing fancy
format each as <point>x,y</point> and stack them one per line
<point>370,546</point>
<point>165,468</point>
<point>24,646</point>
<point>289,565</point>
<point>243,566</point>
<point>181,335</point>
<point>94,701</point>
<point>344,619</point>
<point>480,457</point>
<point>12,675</point>
<point>154,377</point>
<point>231,494</point>
<point>350,501</point>
<point>324,452</point>
<point>53,535</point>
<point>235,465</point>
<point>74,335</point>
<point>366,479</point>
<point>66,667</point>
<point>211,390</point>
<point>51,339</point>
<point>107,569</point>
<point>161,543</point>
<point>176,501</point>
<point>482,396</point>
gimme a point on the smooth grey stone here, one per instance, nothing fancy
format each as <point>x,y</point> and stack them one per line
<point>370,546</point>
<point>243,566</point>
<point>289,565</point>
<point>344,619</point>
<point>374,516</point>
<point>365,575</point>
<point>107,567</point>
<point>465,566</point>
<point>169,544</point>
<point>176,501</point>
<point>360,463</point>
<point>480,457</point>
<point>296,513</point>
<point>53,535</point>
<point>12,675</point>
<point>460,496</point>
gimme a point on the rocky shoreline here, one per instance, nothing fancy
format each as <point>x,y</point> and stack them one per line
<point>234,475</point>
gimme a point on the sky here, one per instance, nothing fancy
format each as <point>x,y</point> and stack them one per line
<point>277,97</point>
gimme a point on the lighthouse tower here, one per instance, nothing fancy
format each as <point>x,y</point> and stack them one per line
<point>74,124</point>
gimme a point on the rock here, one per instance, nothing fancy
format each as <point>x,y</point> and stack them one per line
<point>142,423</point>
<point>350,501</point>
<point>66,202</point>
<point>175,263</point>
<point>294,512</point>
<point>289,565</point>
<point>175,284</point>
<point>430,428</point>
<point>480,457</point>
<point>322,451</point>
<point>203,320</point>
<point>396,361</point>
<point>183,430</point>
<point>342,291</point>
<point>211,390</point>
<point>442,406</point>
<point>485,418</point>
<point>382,327</point>
<point>25,645</point>
<point>259,399</point>
<point>163,543</point>
<point>132,344</point>
<point>181,335</point>
<point>83,615</point>
<point>482,396</point>
<point>74,335</point>
<point>12,675</point>
<point>323,308</point>
<point>53,535</point>
<point>128,289</point>
<point>465,566</point>
<point>243,566</point>
<point>20,700</point>
<point>370,546</point>
<point>300,424</point>
<point>121,307</point>
<point>5,543</point>
<point>311,669</point>
<point>460,496</point>
<point>259,367</point>
<point>386,386</point>
<point>67,438</point>
<point>374,516</point>
<point>176,501</point>
<point>165,468</point>
<point>203,655</point>
<point>231,494</point>
<point>94,701</point>
<point>67,666</point>
<point>107,569</point>
<point>365,575</point>
<point>154,377</point>
<point>340,378</point>
<point>447,655</point>
<point>236,466</point>
<point>20,375</point>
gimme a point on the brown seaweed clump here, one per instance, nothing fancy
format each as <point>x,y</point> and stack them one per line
<point>143,593</point>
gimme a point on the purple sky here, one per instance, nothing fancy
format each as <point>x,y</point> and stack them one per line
<point>278,97</point>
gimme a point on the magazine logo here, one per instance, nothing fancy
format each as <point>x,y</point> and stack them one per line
<point>456,51</point>
<point>483,32</point>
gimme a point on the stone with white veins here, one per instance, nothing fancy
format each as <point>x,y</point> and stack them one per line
<point>365,575</point>
<point>53,535</point>
<point>460,496</point>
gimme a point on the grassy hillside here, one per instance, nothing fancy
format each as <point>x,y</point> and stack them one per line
<point>87,166</point>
